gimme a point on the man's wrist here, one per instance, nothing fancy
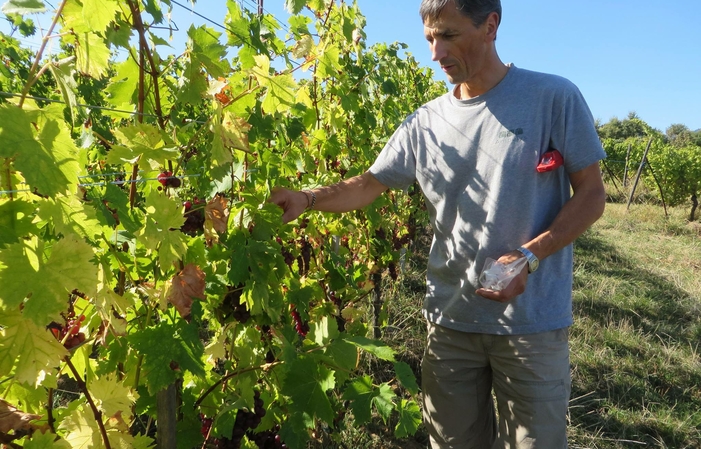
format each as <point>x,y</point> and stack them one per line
<point>311,199</point>
<point>533,261</point>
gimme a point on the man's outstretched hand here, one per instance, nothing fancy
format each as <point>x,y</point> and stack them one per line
<point>292,202</point>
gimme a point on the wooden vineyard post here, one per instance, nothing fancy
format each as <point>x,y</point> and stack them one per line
<point>640,172</point>
<point>167,405</point>
<point>625,170</point>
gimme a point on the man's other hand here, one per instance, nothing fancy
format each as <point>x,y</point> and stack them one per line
<point>292,202</point>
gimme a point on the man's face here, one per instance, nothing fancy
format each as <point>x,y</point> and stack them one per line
<point>461,48</point>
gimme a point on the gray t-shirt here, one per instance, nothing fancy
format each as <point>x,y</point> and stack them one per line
<point>475,161</point>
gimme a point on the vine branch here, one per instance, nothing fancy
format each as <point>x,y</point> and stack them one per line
<point>31,78</point>
<point>96,413</point>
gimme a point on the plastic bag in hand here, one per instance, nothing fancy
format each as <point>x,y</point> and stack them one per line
<point>496,275</point>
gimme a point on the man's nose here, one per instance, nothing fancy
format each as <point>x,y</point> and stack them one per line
<point>438,50</point>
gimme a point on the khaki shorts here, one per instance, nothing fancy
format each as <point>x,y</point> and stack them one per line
<point>530,375</point>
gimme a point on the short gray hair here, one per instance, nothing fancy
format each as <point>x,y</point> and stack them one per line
<point>476,10</point>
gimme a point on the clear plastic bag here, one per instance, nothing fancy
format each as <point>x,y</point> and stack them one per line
<point>496,276</point>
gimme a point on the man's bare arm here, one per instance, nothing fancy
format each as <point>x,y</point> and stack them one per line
<point>345,196</point>
<point>581,211</point>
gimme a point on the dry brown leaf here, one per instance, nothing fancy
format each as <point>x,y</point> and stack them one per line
<point>217,213</point>
<point>185,287</point>
<point>13,419</point>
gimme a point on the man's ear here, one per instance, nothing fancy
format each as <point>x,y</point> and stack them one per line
<point>492,26</point>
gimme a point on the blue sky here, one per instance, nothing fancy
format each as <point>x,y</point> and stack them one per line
<point>624,55</point>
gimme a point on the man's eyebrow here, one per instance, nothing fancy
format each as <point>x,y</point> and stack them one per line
<point>434,32</point>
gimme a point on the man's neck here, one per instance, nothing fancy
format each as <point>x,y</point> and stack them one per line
<point>471,89</point>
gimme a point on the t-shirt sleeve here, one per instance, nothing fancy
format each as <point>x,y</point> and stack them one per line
<point>395,166</point>
<point>574,133</point>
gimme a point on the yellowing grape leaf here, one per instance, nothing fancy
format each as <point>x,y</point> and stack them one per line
<point>30,350</point>
<point>143,142</point>
<point>281,89</point>
<point>13,419</point>
<point>81,429</point>
<point>92,55</point>
<point>99,13</point>
<point>46,440</point>
<point>112,397</point>
<point>185,286</point>
<point>71,216</point>
<point>25,272</point>
<point>162,232</point>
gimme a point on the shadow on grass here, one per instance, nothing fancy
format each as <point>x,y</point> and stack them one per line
<point>637,387</point>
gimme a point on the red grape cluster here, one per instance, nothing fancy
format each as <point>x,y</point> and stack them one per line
<point>167,179</point>
<point>269,439</point>
<point>194,217</point>
<point>301,327</point>
<point>70,333</point>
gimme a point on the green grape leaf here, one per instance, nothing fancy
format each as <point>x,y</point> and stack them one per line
<point>237,25</point>
<point>384,401</point>
<point>295,6</point>
<point>193,86</point>
<point>16,221</point>
<point>294,431</point>
<point>46,161</point>
<point>409,418</point>
<point>374,347</point>
<point>122,88</point>
<point>207,51</point>
<point>71,216</point>
<point>167,349</point>
<point>63,74</point>
<point>23,6</point>
<point>92,55</point>
<point>24,272</point>
<point>99,13</point>
<point>323,330</point>
<point>153,7</point>
<point>306,384</point>
<point>30,350</point>
<point>329,64</point>
<point>406,377</point>
<point>46,440</point>
<point>361,393</point>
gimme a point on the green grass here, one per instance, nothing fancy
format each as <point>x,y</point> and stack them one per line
<point>635,344</point>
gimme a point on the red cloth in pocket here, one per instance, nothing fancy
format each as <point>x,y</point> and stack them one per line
<point>550,161</point>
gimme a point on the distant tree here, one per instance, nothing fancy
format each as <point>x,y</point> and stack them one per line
<point>631,126</point>
<point>679,135</point>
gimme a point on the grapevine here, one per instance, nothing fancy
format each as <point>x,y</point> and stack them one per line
<point>149,213</point>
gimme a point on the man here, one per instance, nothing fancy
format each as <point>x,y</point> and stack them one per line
<point>474,152</point>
